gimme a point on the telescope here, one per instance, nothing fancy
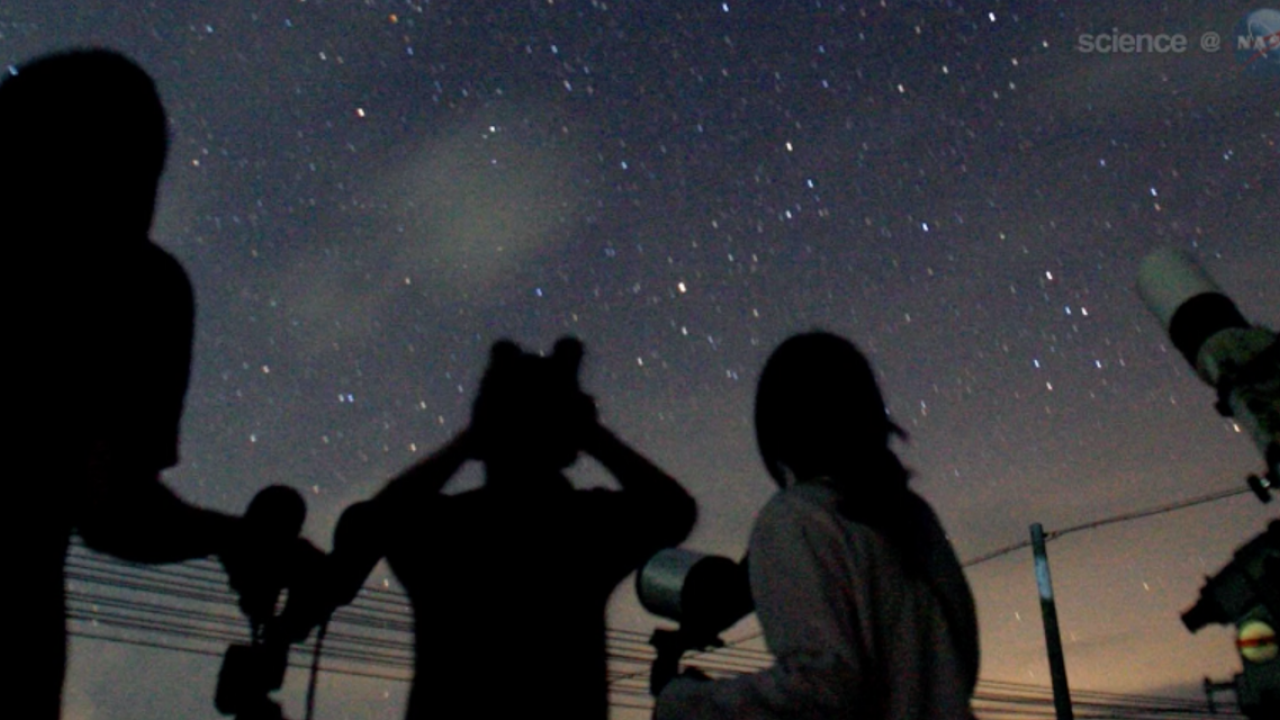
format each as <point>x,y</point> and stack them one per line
<point>1239,360</point>
<point>705,594</point>
<point>1251,579</point>
<point>1246,593</point>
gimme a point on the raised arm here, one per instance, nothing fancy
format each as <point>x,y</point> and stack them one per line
<point>423,481</point>
<point>361,539</point>
<point>364,531</point>
<point>671,511</point>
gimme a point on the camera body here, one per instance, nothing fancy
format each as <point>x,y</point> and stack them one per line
<point>249,674</point>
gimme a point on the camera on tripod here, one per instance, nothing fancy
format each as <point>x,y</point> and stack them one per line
<point>249,674</point>
<point>270,559</point>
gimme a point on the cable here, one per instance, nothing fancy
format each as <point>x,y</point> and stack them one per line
<point>1053,535</point>
<point>1125,517</point>
<point>389,612</point>
<point>315,670</point>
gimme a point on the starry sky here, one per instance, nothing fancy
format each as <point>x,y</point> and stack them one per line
<point>367,194</point>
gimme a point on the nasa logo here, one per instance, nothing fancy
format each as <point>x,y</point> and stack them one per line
<point>1257,43</point>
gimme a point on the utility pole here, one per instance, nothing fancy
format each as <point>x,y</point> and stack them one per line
<point>1052,638</point>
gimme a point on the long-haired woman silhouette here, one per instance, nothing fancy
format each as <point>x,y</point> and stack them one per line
<point>860,596</point>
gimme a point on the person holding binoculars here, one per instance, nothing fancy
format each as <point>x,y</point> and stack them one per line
<point>524,559</point>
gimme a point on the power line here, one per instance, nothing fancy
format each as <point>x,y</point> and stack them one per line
<point>992,699</point>
<point>205,627</point>
<point>1124,517</point>
<point>103,593</point>
<point>1053,535</point>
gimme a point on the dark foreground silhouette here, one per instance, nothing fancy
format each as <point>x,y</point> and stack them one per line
<point>860,596</point>
<point>525,561</point>
<point>101,349</point>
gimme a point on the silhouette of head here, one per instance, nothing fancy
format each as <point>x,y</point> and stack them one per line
<point>277,510</point>
<point>819,411</point>
<point>529,413</point>
<point>85,139</point>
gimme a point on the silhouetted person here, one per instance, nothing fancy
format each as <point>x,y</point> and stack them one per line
<point>509,582</point>
<point>859,594</point>
<point>100,349</point>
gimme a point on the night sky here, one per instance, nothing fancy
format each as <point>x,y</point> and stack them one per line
<point>366,195</point>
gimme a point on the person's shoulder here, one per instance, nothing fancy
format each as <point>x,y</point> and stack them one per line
<point>803,499</point>
<point>800,510</point>
<point>163,269</point>
<point>926,519</point>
